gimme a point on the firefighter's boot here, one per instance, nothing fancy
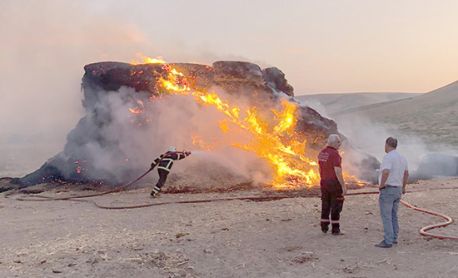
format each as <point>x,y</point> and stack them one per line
<point>155,192</point>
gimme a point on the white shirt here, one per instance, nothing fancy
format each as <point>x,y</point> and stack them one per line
<point>397,164</point>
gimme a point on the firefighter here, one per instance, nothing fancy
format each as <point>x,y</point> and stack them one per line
<point>332,185</point>
<point>164,163</point>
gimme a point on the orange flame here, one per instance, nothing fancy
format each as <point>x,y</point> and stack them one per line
<point>291,168</point>
<point>273,140</point>
<point>143,59</point>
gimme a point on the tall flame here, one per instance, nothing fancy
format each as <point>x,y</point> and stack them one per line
<point>290,167</point>
<point>275,140</point>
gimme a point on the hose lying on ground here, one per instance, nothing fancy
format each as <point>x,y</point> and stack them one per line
<point>114,190</point>
<point>423,230</point>
<point>79,198</point>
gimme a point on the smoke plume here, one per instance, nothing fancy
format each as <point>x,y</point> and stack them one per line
<point>425,161</point>
<point>44,44</point>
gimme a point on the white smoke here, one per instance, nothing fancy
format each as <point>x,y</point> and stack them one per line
<point>369,136</point>
<point>179,119</point>
<point>44,45</point>
<point>316,105</point>
<point>119,144</point>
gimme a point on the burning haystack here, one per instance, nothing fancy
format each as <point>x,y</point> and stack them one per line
<point>241,122</point>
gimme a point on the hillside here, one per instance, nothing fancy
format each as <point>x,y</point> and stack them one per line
<point>335,103</point>
<point>432,116</point>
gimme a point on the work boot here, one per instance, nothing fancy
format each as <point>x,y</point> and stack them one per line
<point>324,228</point>
<point>336,229</point>
<point>155,192</point>
<point>337,233</point>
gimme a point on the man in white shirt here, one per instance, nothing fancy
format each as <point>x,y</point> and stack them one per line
<point>392,184</point>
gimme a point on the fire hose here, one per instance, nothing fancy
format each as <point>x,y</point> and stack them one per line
<point>116,189</point>
<point>423,230</point>
<point>79,198</point>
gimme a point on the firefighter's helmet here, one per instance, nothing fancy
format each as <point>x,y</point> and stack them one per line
<point>172,149</point>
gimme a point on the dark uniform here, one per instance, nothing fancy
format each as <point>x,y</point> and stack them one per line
<point>331,191</point>
<point>164,164</point>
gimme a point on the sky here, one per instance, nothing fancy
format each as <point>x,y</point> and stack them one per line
<point>322,46</point>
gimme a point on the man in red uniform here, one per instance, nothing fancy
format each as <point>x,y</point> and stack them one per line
<point>165,163</point>
<point>332,185</point>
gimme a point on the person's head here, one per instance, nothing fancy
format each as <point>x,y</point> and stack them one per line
<point>334,141</point>
<point>391,144</point>
<point>172,149</point>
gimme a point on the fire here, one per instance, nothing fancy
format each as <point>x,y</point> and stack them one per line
<point>147,60</point>
<point>291,168</point>
<point>175,81</point>
<point>272,137</point>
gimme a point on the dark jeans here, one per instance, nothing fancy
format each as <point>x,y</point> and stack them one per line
<point>162,177</point>
<point>331,204</point>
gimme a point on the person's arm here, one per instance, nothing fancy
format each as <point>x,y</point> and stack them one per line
<point>184,154</point>
<point>181,155</point>
<point>156,161</point>
<point>404,181</point>
<point>339,175</point>
<point>385,174</point>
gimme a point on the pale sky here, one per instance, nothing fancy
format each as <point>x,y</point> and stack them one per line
<point>322,46</point>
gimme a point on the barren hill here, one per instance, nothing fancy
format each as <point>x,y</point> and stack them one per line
<point>335,103</point>
<point>433,116</point>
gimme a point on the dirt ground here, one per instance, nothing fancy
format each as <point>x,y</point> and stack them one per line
<point>279,238</point>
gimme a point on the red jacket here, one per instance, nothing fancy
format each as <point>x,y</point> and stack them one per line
<point>329,158</point>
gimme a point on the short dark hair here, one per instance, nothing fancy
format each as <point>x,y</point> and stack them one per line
<point>392,142</point>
